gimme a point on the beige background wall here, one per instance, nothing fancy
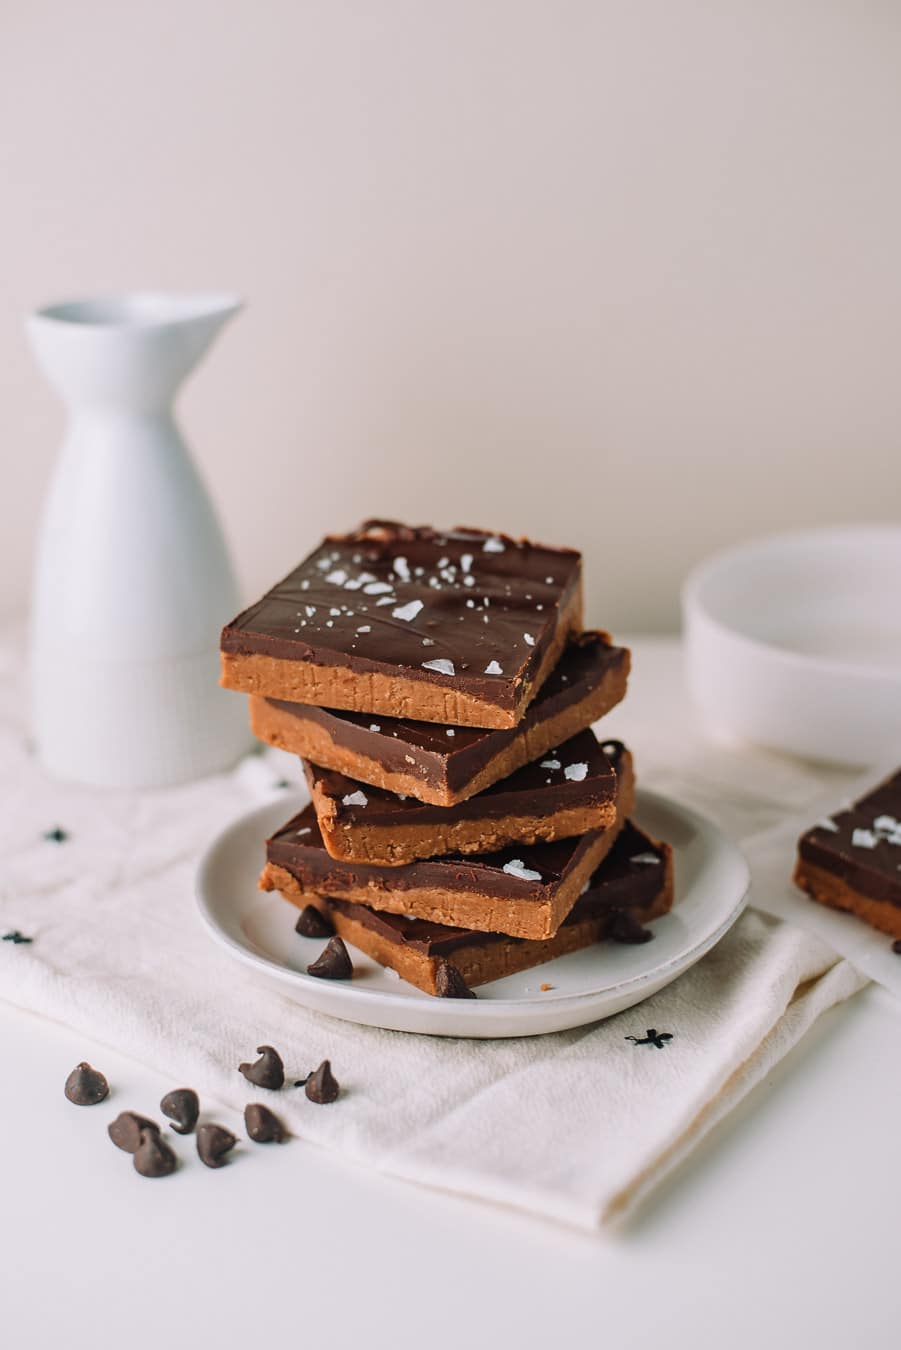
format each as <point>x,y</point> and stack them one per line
<point>624,275</point>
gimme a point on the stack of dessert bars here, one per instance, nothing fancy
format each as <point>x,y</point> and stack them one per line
<point>465,822</point>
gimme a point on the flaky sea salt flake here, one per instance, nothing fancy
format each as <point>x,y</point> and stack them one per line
<point>517,868</point>
<point>408,611</point>
<point>440,665</point>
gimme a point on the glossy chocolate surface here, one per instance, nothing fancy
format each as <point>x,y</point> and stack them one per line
<point>630,877</point>
<point>520,872</point>
<point>426,749</point>
<point>862,845</point>
<point>579,774</point>
<point>464,608</point>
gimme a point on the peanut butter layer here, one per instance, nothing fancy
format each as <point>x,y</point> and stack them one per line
<point>569,791</point>
<point>828,889</point>
<point>445,765</point>
<point>635,879</point>
<point>524,890</point>
<point>460,628</point>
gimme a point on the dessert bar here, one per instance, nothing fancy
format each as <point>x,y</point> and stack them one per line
<point>568,791</point>
<point>852,860</point>
<point>635,881</point>
<point>461,627</point>
<point>525,890</point>
<point>445,765</point>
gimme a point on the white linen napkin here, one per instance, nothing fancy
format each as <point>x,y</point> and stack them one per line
<point>576,1126</point>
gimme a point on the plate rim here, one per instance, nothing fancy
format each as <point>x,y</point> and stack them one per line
<point>525,1008</point>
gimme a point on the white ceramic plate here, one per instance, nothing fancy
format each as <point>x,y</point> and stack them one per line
<point>257,927</point>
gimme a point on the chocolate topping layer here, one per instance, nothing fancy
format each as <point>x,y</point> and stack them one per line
<point>862,845</point>
<point>427,750</point>
<point>465,609</point>
<point>629,877</point>
<point>578,774</point>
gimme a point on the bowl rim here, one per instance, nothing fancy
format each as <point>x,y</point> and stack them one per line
<point>694,606</point>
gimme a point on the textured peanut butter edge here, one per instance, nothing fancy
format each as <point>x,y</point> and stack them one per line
<point>480,964</point>
<point>393,846</point>
<point>393,695</point>
<point>302,737</point>
<point>828,889</point>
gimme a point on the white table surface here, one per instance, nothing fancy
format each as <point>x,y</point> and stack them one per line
<point>779,1231</point>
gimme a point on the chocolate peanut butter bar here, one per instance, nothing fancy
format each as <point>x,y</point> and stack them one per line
<point>852,860</point>
<point>461,627</point>
<point>525,890</point>
<point>568,791</point>
<point>445,765</point>
<point>635,880</point>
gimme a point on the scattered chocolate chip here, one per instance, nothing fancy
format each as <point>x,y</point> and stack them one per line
<point>86,1086</point>
<point>126,1130</point>
<point>182,1107</point>
<point>16,937</point>
<point>313,923</point>
<point>896,946</point>
<point>55,836</point>
<point>333,963</point>
<point>266,1072</point>
<point>623,928</point>
<point>302,1082</point>
<point>262,1125</point>
<point>153,1157</point>
<point>213,1142</point>
<point>449,983</point>
<point>322,1086</point>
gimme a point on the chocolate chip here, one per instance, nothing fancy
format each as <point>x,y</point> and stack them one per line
<point>126,1130</point>
<point>313,923</point>
<point>449,983</point>
<point>182,1107</point>
<point>153,1156</point>
<point>262,1125</point>
<point>896,946</point>
<point>333,963</point>
<point>213,1142</point>
<point>624,928</point>
<point>86,1086</point>
<point>321,1086</point>
<point>266,1072</point>
<point>15,937</point>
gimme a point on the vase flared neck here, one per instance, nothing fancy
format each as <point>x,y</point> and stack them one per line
<point>129,351</point>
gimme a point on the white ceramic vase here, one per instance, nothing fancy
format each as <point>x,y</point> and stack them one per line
<point>133,580</point>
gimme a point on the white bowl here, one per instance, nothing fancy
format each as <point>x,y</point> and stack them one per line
<point>794,642</point>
